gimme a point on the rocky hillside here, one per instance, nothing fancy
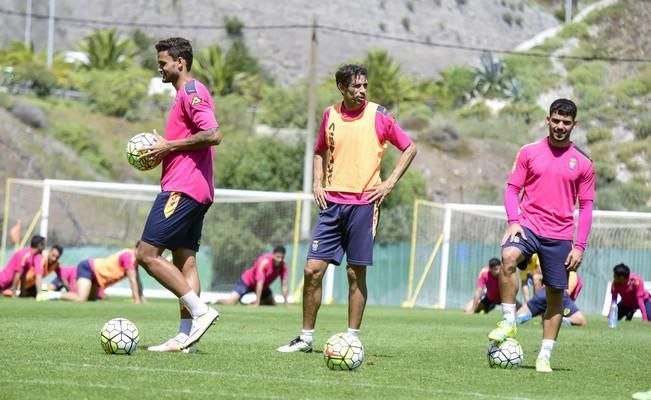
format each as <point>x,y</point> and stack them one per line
<point>279,34</point>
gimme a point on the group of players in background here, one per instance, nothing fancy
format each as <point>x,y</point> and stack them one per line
<point>552,174</point>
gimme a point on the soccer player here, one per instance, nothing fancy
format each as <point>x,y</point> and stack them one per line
<point>66,279</point>
<point>530,274</point>
<point>538,304</point>
<point>259,277</point>
<point>348,191</point>
<point>19,263</point>
<point>487,294</point>
<point>176,217</point>
<point>96,274</point>
<point>634,296</point>
<point>553,174</point>
<point>44,263</point>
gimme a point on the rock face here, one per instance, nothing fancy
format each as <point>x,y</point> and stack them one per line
<point>279,33</point>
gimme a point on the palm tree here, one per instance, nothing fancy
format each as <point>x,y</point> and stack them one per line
<point>387,85</point>
<point>106,50</point>
<point>210,68</point>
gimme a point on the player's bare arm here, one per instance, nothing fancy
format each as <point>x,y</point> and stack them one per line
<point>317,181</point>
<point>200,140</point>
<point>512,231</point>
<point>386,187</point>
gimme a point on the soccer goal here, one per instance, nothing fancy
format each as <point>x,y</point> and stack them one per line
<point>93,219</point>
<point>452,242</point>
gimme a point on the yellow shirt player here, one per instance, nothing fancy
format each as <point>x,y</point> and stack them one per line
<point>531,274</point>
<point>100,273</point>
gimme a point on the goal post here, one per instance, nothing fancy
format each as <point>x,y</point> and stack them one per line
<point>452,242</point>
<point>90,219</point>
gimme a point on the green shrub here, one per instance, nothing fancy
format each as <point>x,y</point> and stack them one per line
<point>527,112</point>
<point>598,134</point>
<point>643,128</point>
<point>81,138</point>
<point>115,93</point>
<point>577,30</point>
<point>535,73</point>
<point>605,173</point>
<point>478,110</point>
<point>631,196</point>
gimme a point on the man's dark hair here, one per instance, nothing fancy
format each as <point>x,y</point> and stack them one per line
<point>346,73</point>
<point>494,262</point>
<point>177,47</point>
<point>56,246</point>
<point>37,240</point>
<point>279,249</point>
<point>563,107</point>
<point>622,270</point>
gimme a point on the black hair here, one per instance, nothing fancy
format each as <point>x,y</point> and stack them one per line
<point>622,269</point>
<point>494,262</point>
<point>563,107</point>
<point>37,240</point>
<point>59,248</point>
<point>177,47</point>
<point>346,73</point>
<point>279,249</point>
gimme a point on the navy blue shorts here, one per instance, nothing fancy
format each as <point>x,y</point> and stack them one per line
<point>85,271</point>
<point>345,228</point>
<point>538,304</point>
<point>487,305</point>
<point>552,254</point>
<point>623,311</point>
<point>175,221</point>
<point>241,288</point>
<point>57,283</point>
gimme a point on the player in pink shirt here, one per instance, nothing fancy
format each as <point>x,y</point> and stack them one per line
<point>552,175</point>
<point>487,294</point>
<point>176,218</point>
<point>630,287</point>
<point>259,277</point>
<point>19,263</point>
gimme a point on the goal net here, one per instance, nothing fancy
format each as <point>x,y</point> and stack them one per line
<point>452,242</point>
<point>94,219</point>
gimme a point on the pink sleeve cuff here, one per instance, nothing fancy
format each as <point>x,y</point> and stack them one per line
<point>511,203</point>
<point>585,223</point>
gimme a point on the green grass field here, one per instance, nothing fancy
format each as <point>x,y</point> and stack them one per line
<point>52,351</point>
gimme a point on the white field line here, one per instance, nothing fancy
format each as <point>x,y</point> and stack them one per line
<point>71,383</point>
<point>260,377</point>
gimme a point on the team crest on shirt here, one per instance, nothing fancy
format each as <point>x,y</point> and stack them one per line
<point>196,100</point>
<point>572,163</point>
<point>315,245</point>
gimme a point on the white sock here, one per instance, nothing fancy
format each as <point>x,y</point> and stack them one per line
<point>54,295</point>
<point>185,326</point>
<point>191,301</point>
<point>307,335</point>
<point>546,349</point>
<point>353,332</point>
<point>509,312</point>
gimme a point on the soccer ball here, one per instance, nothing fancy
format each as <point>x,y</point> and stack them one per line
<point>134,146</point>
<point>506,355</point>
<point>343,352</point>
<point>119,336</point>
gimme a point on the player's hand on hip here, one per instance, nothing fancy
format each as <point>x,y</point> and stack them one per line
<point>573,260</point>
<point>377,196</point>
<point>320,197</point>
<point>512,231</point>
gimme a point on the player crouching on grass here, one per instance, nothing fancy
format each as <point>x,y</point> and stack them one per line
<point>259,277</point>
<point>96,274</point>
